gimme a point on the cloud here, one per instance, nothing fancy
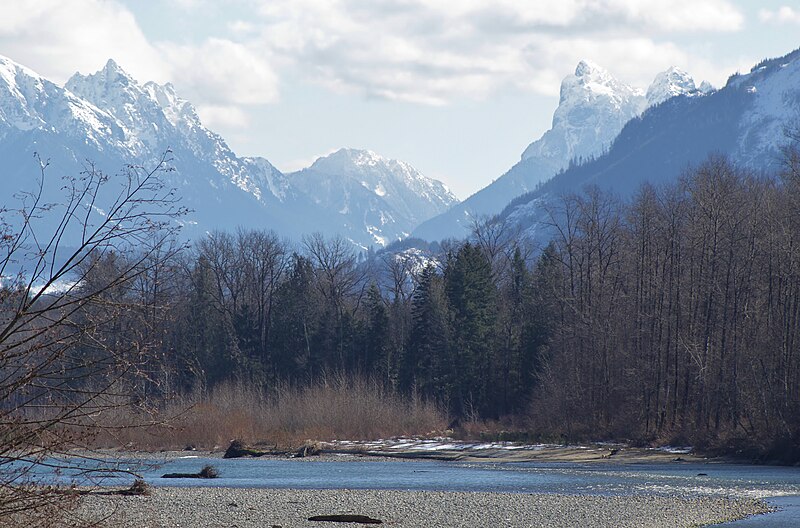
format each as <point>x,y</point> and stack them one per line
<point>220,71</point>
<point>419,51</point>
<point>227,116</point>
<point>57,38</point>
<point>435,51</point>
<point>783,15</point>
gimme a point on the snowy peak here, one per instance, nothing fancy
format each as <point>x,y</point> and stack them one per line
<point>592,81</point>
<point>108,87</point>
<point>348,161</point>
<point>29,101</point>
<point>594,85</point>
<point>381,175</point>
<point>593,107</point>
<point>119,94</point>
<point>385,197</point>
<point>588,68</point>
<point>669,84</point>
<point>706,88</point>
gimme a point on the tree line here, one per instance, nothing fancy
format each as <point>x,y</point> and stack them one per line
<point>673,315</point>
<point>669,317</point>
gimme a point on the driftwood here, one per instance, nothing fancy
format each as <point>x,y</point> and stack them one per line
<point>139,487</point>
<point>238,449</point>
<point>207,472</point>
<point>348,518</point>
<point>309,449</point>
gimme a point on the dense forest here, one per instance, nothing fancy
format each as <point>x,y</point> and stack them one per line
<point>673,317</point>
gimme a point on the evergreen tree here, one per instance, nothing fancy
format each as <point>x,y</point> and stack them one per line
<point>471,296</point>
<point>376,357</point>
<point>296,323</point>
<point>426,365</point>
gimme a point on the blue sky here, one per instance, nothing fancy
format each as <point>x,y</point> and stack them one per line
<point>457,89</point>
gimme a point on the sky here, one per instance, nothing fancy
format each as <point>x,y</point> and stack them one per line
<point>456,88</point>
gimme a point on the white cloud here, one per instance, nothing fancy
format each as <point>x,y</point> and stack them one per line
<point>782,15</point>
<point>672,15</point>
<point>221,71</point>
<point>224,116</point>
<point>421,51</point>
<point>57,38</point>
<point>434,51</point>
<point>187,4</point>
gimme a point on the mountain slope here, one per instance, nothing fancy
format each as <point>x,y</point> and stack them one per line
<point>745,120</point>
<point>593,108</point>
<point>385,197</point>
<point>113,120</point>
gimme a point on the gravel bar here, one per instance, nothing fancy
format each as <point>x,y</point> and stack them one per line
<point>245,508</point>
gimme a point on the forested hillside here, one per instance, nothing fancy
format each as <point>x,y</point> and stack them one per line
<point>670,317</point>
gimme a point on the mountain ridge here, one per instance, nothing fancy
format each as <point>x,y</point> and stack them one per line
<point>112,119</point>
<point>744,121</point>
<point>593,108</point>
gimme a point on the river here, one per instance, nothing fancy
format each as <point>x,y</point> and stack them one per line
<point>779,485</point>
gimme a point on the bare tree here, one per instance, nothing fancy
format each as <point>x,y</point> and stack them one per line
<point>67,270</point>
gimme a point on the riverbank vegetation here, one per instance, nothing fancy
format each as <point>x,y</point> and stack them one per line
<point>283,418</point>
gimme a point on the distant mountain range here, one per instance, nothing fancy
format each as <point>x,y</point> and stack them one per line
<point>604,132</point>
<point>746,120</point>
<point>593,108</point>
<point>112,120</point>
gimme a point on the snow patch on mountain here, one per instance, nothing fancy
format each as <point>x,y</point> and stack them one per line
<point>773,88</point>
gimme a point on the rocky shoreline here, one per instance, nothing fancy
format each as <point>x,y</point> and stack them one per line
<point>245,508</point>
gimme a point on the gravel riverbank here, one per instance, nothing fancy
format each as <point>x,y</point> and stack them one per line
<point>245,508</point>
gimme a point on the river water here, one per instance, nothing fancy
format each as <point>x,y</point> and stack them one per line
<point>780,485</point>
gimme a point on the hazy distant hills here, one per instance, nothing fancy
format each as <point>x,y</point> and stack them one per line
<point>112,120</point>
<point>593,108</point>
<point>746,120</point>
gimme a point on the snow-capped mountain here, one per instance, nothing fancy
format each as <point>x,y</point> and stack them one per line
<point>745,120</point>
<point>29,102</point>
<point>593,107</point>
<point>385,197</point>
<point>672,82</point>
<point>111,119</point>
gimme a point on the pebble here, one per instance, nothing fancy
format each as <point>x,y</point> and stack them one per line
<point>246,508</point>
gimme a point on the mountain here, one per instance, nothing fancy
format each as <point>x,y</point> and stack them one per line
<point>385,197</point>
<point>111,119</point>
<point>745,120</point>
<point>671,83</point>
<point>593,107</point>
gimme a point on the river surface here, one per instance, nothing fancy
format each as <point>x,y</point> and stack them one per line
<point>779,485</point>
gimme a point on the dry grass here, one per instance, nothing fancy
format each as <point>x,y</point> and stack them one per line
<point>334,408</point>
